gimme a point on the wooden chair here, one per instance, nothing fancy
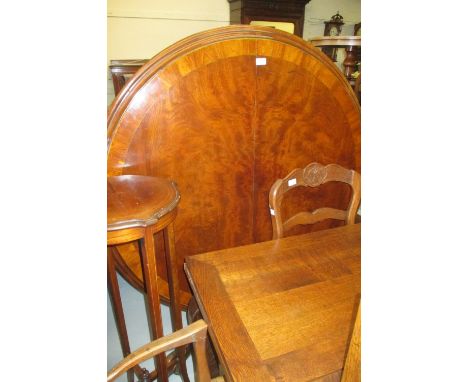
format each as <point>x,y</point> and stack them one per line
<point>352,367</point>
<point>195,333</point>
<point>313,175</point>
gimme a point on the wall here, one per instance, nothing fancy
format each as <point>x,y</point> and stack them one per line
<point>318,11</point>
<point>141,28</point>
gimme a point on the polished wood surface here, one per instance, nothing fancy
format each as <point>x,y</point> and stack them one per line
<point>224,129</point>
<point>135,203</point>
<point>137,208</point>
<point>313,175</point>
<point>281,310</point>
<point>352,368</point>
<point>138,201</point>
<point>194,333</point>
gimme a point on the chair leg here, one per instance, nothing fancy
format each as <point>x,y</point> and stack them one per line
<point>116,303</point>
<point>174,291</point>
<point>194,314</point>
<point>151,282</point>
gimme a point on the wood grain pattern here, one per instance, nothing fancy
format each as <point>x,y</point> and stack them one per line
<point>138,201</point>
<point>352,368</point>
<point>281,310</point>
<point>205,115</point>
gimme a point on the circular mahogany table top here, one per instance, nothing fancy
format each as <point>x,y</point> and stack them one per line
<point>224,113</point>
<point>138,201</point>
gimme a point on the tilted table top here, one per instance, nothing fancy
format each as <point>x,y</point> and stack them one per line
<point>281,310</point>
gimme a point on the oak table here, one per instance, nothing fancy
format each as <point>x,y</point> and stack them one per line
<point>137,208</point>
<point>281,310</point>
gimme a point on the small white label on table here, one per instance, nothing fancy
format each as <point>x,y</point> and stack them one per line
<point>260,61</point>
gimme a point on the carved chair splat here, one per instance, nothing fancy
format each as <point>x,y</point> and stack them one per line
<point>313,175</point>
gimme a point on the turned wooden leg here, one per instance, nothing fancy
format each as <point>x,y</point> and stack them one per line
<point>349,63</point>
<point>151,282</point>
<point>174,291</point>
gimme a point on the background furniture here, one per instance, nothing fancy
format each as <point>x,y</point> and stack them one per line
<point>281,310</point>
<point>350,43</point>
<point>357,29</point>
<point>246,11</point>
<point>123,70</point>
<point>313,175</point>
<point>224,126</point>
<point>194,333</point>
<point>332,28</point>
<point>137,208</point>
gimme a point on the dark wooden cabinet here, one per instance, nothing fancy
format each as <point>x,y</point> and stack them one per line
<point>285,11</point>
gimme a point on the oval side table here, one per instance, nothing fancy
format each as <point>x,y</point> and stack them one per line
<point>137,208</point>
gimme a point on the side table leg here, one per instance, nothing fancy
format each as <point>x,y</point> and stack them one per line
<point>116,301</point>
<point>151,282</point>
<point>174,291</point>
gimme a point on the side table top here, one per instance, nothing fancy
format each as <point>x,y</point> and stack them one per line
<point>138,201</point>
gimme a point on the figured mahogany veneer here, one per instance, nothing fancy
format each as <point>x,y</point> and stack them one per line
<point>203,113</point>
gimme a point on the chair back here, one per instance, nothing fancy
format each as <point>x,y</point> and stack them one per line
<point>194,333</point>
<point>313,175</point>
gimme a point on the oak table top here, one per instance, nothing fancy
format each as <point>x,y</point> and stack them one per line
<point>281,310</point>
